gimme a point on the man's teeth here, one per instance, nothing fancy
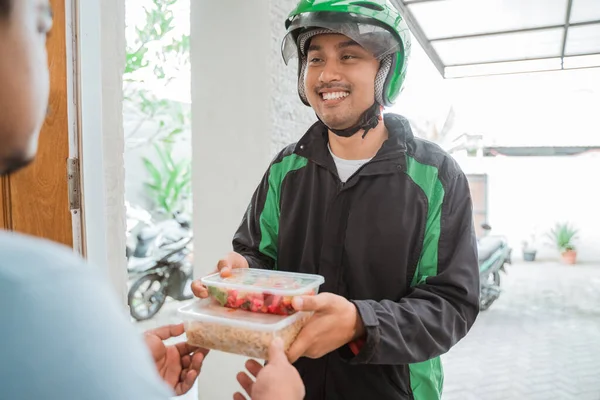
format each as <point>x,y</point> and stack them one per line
<point>334,95</point>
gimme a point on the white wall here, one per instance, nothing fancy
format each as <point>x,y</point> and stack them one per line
<point>230,140</point>
<point>530,194</point>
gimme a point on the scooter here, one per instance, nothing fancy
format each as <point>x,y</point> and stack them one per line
<point>170,275</point>
<point>159,265</point>
<point>494,254</point>
<point>146,238</point>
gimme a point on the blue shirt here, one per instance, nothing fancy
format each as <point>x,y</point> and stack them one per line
<point>63,334</point>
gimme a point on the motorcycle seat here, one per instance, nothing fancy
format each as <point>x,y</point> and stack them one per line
<point>487,246</point>
<point>148,233</point>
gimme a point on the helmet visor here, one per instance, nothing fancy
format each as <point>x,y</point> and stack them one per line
<point>374,38</point>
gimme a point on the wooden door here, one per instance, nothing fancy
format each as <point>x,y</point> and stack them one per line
<point>35,200</point>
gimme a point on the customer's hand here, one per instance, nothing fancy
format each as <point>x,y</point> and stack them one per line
<point>179,364</point>
<point>278,380</point>
<point>225,265</point>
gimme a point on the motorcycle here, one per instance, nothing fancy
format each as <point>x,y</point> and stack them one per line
<point>137,220</point>
<point>160,266</point>
<point>494,254</point>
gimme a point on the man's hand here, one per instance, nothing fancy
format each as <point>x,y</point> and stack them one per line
<point>179,364</point>
<point>225,265</point>
<point>335,322</point>
<point>279,380</point>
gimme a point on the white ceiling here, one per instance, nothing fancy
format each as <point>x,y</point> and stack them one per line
<point>487,37</point>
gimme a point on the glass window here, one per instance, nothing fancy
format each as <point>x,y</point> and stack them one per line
<point>466,17</point>
<point>583,39</point>
<point>502,47</point>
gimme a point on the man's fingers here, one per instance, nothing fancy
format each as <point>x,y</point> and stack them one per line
<point>276,353</point>
<point>186,381</point>
<point>224,266</point>
<point>189,379</point>
<point>186,361</point>
<point>253,367</point>
<point>184,348</point>
<point>197,360</point>
<point>310,303</point>
<point>238,396</point>
<point>297,349</point>
<point>199,289</point>
<point>246,382</point>
<point>167,331</point>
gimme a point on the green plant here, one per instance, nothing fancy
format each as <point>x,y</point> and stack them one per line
<point>170,182</point>
<point>562,236</point>
<point>154,53</point>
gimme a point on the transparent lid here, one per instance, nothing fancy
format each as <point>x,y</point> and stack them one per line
<point>262,280</point>
<point>208,310</point>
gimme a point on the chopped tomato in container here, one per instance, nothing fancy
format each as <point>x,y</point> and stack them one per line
<point>261,291</point>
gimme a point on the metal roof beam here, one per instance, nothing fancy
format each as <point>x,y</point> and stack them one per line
<point>564,40</point>
<point>417,31</point>
<point>540,28</point>
<point>520,60</point>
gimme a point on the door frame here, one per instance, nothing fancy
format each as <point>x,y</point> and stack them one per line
<point>95,109</point>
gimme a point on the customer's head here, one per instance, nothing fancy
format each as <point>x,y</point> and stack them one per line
<point>24,81</point>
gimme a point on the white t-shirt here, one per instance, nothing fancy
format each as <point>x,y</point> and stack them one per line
<point>346,168</point>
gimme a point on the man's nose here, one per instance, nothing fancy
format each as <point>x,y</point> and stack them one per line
<point>330,72</point>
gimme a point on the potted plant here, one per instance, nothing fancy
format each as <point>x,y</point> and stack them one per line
<point>529,250</point>
<point>562,236</point>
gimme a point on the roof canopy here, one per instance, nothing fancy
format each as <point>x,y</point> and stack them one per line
<point>486,37</point>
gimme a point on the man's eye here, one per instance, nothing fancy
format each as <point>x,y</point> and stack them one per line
<point>348,57</point>
<point>314,60</point>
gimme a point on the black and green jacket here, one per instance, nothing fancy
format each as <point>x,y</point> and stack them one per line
<point>397,239</point>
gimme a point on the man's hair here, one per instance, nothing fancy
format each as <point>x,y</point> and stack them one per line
<point>5,7</point>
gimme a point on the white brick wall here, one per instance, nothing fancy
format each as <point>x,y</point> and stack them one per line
<point>290,117</point>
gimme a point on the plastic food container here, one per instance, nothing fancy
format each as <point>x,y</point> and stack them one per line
<point>211,326</point>
<point>261,291</point>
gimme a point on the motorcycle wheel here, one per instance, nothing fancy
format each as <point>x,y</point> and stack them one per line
<point>144,301</point>
<point>487,299</point>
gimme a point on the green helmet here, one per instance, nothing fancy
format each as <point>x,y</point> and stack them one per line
<point>376,25</point>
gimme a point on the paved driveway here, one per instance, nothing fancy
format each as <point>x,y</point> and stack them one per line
<point>540,340</point>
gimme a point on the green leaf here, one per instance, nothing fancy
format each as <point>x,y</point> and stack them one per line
<point>163,157</point>
<point>154,173</point>
<point>153,188</point>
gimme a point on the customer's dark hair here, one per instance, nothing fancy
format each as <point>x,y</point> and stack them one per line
<point>5,7</point>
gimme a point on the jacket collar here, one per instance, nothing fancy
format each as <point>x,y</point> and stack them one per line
<point>313,145</point>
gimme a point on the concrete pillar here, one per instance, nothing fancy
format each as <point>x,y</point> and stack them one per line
<point>245,108</point>
<point>231,135</point>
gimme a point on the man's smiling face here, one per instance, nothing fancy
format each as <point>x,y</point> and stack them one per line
<point>339,79</point>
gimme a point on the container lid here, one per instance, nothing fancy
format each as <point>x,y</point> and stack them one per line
<point>208,310</point>
<point>275,282</point>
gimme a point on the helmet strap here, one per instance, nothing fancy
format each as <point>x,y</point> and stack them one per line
<point>368,120</point>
